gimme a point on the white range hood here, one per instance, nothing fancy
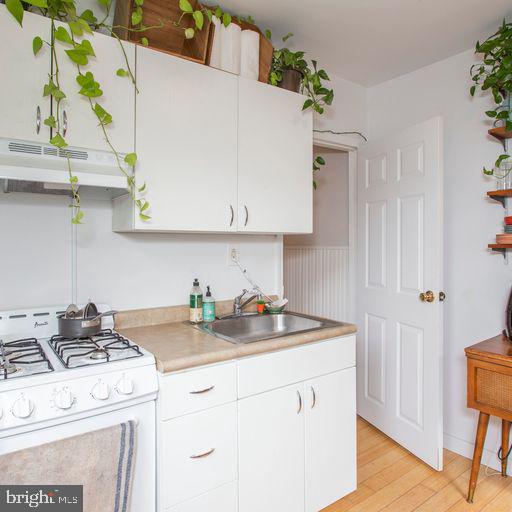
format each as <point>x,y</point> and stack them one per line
<point>30,161</point>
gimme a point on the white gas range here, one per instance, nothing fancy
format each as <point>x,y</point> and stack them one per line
<point>52,388</point>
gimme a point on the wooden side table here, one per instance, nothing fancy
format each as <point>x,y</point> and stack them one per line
<point>490,392</point>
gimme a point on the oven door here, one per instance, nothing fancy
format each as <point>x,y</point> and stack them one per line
<point>144,483</point>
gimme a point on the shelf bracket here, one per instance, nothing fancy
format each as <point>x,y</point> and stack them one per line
<point>504,253</point>
<point>501,199</point>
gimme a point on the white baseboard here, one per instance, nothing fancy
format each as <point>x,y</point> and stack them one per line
<point>465,448</point>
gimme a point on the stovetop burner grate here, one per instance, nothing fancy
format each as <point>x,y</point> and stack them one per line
<point>102,348</point>
<point>23,357</point>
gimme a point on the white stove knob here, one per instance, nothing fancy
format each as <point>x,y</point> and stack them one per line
<point>100,390</point>
<point>22,407</point>
<point>63,399</point>
<point>124,385</point>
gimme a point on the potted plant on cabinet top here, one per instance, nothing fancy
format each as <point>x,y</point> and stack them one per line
<point>292,72</point>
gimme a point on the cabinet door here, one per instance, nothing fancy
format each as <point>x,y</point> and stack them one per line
<point>330,438</point>
<point>271,451</point>
<point>118,96</point>
<point>23,77</point>
<point>198,454</point>
<point>187,143</point>
<point>222,499</point>
<point>275,145</point>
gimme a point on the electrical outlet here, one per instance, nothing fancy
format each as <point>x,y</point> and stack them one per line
<point>232,255</point>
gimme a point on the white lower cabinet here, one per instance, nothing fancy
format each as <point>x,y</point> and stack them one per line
<point>285,441</point>
<point>271,451</point>
<point>330,438</point>
<point>222,499</point>
<point>199,453</point>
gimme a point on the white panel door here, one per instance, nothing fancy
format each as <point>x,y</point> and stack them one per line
<point>118,97</point>
<point>400,341</point>
<point>187,143</point>
<point>275,152</point>
<point>330,438</point>
<point>23,77</point>
<point>271,451</point>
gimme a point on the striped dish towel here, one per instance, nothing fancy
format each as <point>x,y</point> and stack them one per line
<point>103,461</point>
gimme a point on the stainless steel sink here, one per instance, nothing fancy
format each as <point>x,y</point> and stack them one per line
<point>248,328</point>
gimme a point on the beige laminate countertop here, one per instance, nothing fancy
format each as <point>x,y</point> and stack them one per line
<point>178,346</point>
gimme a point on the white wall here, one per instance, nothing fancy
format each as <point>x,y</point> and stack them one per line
<point>44,261</point>
<point>348,111</point>
<point>330,204</point>
<point>476,282</point>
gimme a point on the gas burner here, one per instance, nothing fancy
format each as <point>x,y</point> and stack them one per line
<point>21,358</point>
<point>99,354</point>
<point>8,368</point>
<point>104,347</point>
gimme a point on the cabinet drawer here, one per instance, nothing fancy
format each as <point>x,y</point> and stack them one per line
<point>199,453</point>
<point>262,373</point>
<point>222,499</point>
<point>187,392</point>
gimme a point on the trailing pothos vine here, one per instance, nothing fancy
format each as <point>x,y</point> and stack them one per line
<point>494,73</point>
<point>67,27</point>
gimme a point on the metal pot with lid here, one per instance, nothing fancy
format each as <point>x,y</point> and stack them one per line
<point>80,323</point>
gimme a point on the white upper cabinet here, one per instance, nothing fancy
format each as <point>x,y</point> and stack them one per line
<point>186,141</point>
<point>275,146</point>
<point>22,106</point>
<point>118,97</point>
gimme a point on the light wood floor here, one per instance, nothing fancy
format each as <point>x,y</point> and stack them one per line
<point>392,480</point>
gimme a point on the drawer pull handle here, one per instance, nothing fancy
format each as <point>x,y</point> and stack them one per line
<point>246,215</point>
<point>313,394</point>
<point>202,455</point>
<point>232,215</point>
<point>300,402</point>
<point>201,391</point>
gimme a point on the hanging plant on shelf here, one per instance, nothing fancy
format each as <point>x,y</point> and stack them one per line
<point>494,73</point>
<point>291,71</point>
<point>79,50</point>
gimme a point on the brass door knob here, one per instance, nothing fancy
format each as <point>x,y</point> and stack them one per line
<point>427,296</point>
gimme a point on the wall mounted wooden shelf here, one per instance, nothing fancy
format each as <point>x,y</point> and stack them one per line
<point>500,195</point>
<point>500,133</point>
<point>500,248</point>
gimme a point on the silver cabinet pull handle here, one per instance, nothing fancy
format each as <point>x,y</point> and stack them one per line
<point>38,119</point>
<point>246,215</point>
<point>313,394</point>
<point>300,402</point>
<point>201,391</point>
<point>64,123</point>
<point>232,215</point>
<point>202,455</point>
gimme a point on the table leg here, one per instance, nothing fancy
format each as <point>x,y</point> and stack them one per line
<point>483,422</point>
<point>505,434</point>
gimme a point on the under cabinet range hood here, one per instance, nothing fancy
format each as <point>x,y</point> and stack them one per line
<point>43,163</point>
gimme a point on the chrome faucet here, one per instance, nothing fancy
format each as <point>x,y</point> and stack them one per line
<point>239,304</point>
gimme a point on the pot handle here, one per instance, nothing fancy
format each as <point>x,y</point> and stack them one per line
<point>91,322</point>
<point>112,312</point>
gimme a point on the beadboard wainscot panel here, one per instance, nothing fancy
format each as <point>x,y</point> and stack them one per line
<point>316,280</point>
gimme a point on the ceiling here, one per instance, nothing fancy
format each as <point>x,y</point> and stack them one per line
<point>371,41</point>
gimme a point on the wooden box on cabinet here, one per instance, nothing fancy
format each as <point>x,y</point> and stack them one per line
<point>167,38</point>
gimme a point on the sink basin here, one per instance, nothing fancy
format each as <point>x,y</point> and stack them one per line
<point>248,328</point>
